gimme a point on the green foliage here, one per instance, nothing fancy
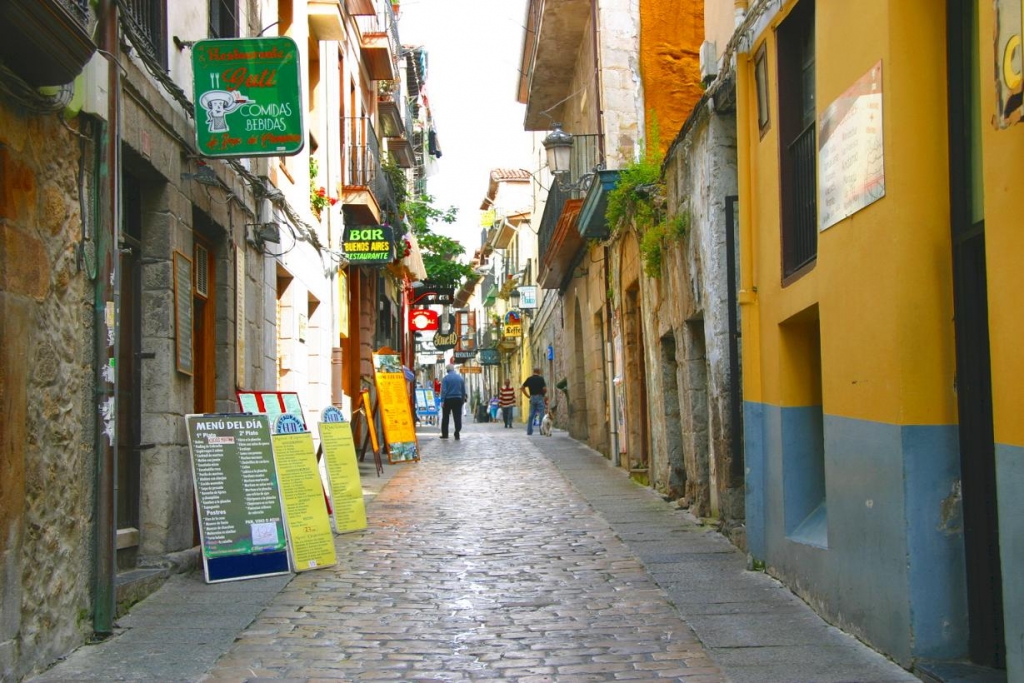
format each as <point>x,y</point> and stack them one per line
<point>638,202</point>
<point>440,253</point>
<point>319,199</point>
<point>638,196</point>
<point>398,180</point>
<point>655,239</point>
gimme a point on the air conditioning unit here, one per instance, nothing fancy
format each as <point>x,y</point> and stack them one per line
<point>708,61</point>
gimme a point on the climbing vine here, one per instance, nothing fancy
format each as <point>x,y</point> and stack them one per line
<point>638,202</point>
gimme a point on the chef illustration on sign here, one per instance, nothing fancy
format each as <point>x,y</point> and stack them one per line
<point>218,104</point>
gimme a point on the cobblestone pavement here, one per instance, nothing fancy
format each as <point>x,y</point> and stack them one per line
<point>497,557</point>
<point>481,563</point>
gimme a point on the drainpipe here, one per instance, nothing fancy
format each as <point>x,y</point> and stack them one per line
<point>105,326</point>
<point>609,361</point>
<point>597,80</point>
<point>736,467</point>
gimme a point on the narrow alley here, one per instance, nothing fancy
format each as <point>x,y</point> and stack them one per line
<point>498,557</point>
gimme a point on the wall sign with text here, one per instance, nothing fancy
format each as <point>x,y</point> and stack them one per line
<point>369,245</point>
<point>248,97</point>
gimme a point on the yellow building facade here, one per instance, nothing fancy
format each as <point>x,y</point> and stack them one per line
<point>870,178</point>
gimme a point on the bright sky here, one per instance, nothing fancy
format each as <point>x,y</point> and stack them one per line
<point>472,73</point>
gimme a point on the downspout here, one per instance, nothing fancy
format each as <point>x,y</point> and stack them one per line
<point>736,466</point>
<point>613,421</point>
<point>597,81</point>
<point>105,330</point>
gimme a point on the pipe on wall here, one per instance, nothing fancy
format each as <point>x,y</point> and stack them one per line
<point>105,331</point>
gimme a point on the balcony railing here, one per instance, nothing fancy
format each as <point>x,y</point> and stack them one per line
<point>586,156</point>
<point>362,163</point>
<point>800,217</point>
<point>381,22</point>
<point>146,18</point>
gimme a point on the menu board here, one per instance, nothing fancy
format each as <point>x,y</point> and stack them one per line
<point>309,528</point>
<point>395,408</point>
<point>182,267</point>
<point>241,522</point>
<point>348,507</point>
<point>273,403</point>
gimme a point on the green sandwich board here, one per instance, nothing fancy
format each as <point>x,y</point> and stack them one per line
<point>248,97</point>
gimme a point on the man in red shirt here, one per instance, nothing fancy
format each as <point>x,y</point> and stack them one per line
<point>507,401</point>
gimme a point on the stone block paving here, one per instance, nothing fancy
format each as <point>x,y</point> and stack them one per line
<point>481,563</point>
<point>497,557</point>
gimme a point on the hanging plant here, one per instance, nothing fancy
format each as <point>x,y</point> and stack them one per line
<point>319,199</point>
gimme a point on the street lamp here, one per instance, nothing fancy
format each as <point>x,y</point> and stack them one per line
<point>514,298</point>
<point>558,145</point>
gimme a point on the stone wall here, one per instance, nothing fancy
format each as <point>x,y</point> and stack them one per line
<point>46,392</point>
<point>689,326</point>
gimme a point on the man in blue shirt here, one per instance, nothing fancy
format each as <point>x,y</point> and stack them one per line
<point>453,395</point>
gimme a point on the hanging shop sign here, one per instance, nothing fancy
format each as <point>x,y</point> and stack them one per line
<point>527,296</point>
<point>447,336</point>
<point>462,356</point>
<point>490,356</point>
<point>423,320</point>
<point>369,245</point>
<point>248,97</point>
<point>513,324</point>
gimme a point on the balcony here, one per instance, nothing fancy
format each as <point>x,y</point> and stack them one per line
<point>400,142</point>
<point>325,20</point>
<point>359,7</point>
<point>559,240</point>
<point>555,33</point>
<point>364,187</point>
<point>378,35</point>
<point>46,42</point>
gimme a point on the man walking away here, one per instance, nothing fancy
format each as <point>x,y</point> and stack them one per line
<point>507,401</point>
<point>536,389</point>
<point>453,395</point>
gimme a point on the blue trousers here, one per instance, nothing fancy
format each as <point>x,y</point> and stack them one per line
<point>536,409</point>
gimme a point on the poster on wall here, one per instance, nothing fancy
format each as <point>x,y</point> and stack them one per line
<point>1009,63</point>
<point>851,166</point>
<point>395,407</point>
<point>241,519</point>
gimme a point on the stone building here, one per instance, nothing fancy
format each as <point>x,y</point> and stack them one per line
<point>142,280</point>
<point>643,347</point>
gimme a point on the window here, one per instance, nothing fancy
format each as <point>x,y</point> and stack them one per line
<point>798,139</point>
<point>761,80</point>
<point>148,26</point>
<point>223,18</point>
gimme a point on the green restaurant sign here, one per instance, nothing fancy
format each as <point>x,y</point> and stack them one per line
<point>248,97</point>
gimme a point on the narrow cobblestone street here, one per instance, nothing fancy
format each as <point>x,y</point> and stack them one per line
<point>481,563</point>
<point>497,557</point>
